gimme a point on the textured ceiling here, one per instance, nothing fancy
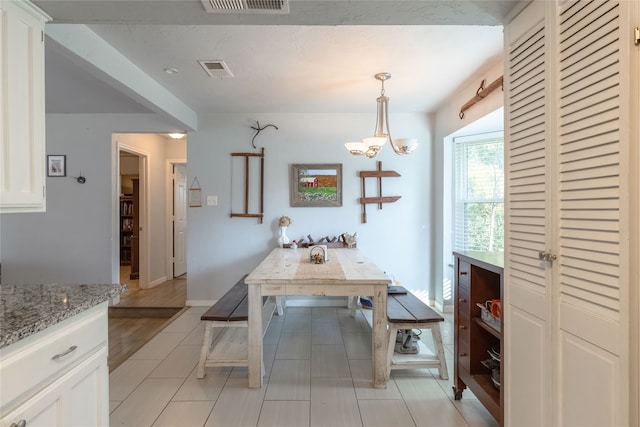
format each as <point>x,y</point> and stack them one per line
<point>320,58</point>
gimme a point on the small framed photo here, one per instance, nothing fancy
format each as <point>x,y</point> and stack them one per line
<point>195,197</point>
<point>57,165</point>
<point>316,185</point>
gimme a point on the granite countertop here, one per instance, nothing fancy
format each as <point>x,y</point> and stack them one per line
<point>27,309</point>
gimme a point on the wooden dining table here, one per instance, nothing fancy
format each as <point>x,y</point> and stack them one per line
<point>347,272</point>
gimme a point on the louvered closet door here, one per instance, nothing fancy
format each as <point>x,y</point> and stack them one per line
<point>567,321</point>
<point>528,222</point>
<point>592,283</point>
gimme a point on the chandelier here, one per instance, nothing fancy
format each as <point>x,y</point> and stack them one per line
<point>371,146</point>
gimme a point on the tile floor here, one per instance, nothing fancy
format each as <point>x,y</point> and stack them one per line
<point>318,373</point>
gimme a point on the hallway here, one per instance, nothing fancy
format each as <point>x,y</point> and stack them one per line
<point>141,314</point>
<point>172,293</point>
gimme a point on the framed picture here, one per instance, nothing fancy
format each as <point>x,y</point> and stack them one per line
<point>57,165</point>
<point>195,197</point>
<point>315,184</point>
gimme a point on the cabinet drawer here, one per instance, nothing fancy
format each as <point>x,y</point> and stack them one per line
<point>50,353</point>
<point>464,273</point>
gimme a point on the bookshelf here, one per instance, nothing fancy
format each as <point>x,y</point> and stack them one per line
<point>126,228</point>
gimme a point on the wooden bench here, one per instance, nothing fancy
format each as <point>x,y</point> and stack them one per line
<point>406,311</point>
<point>229,348</point>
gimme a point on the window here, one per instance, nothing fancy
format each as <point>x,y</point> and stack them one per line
<point>479,193</point>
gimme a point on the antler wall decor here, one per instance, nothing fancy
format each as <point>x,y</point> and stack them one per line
<point>259,129</point>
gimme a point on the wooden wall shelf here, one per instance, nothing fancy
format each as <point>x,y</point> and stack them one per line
<point>246,213</point>
<point>380,199</point>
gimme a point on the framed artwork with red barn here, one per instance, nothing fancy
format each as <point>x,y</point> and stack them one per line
<point>316,185</point>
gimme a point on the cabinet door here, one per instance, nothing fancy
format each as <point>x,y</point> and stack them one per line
<point>77,399</point>
<point>22,152</point>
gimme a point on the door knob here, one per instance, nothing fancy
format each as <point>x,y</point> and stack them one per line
<point>546,256</point>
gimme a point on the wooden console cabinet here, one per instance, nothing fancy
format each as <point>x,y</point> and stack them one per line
<point>479,277</point>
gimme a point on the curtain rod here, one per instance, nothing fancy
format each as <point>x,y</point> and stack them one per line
<point>481,93</point>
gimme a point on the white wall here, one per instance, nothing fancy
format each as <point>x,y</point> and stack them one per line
<point>221,249</point>
<point>72,241</point>
<point>447,123</point>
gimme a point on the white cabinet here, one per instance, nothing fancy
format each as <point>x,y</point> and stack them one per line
<point>58,377</point>
<point>70,400</point>
<point>571,104</point>
<point>22,128</point>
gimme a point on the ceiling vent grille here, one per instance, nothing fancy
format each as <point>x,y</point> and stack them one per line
<point>216,69</point>
<point>247,6</point>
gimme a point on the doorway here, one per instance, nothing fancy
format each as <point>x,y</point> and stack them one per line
<point>156,297</point>
<point>132,217</point>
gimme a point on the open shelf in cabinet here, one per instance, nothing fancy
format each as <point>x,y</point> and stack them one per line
<point>486,327</point>
<point>478,279</point>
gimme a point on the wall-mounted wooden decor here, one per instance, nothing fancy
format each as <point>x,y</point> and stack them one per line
<point>380,199</point>
<point>246,214</point>
<point>481,93</point>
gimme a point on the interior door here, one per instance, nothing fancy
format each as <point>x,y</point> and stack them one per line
<point>179,220</point>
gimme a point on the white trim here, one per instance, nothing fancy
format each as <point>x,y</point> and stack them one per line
<point>633,270</point>
<point>32,9</point>
<point>442,308</point>
<point>145,241</point>
<point>158,281</point>
<point>169,213</point>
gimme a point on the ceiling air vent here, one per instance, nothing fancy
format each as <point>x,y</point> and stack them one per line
<point>247,6</point>
<point>217,69</point>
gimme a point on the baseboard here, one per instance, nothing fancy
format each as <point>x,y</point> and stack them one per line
<point>200,302</point>
<point>443,308</point>
<point>158,281</point>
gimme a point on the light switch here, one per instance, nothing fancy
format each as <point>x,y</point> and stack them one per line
<point>212,200</point>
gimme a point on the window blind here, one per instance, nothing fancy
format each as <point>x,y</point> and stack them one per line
<point>479,192</point>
